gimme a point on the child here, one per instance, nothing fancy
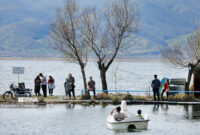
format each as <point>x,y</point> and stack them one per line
<point>140,114</point>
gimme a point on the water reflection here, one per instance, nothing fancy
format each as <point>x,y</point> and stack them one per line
<point>119,132</point>
<point>196,112</point>
<point>42,105</point>
<point>164,107</point>
<point>104,106</point>
<point>70,106</point>
<point>155,108</point>
<point>190,111</point>
<point>79,119</point>
<point>187,112</point>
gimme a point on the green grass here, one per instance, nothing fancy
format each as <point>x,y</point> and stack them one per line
<point>181,97</point>
<point>40,99</point>
<point>116,98</point>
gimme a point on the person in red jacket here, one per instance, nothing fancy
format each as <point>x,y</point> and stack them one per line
<point>165,89</point>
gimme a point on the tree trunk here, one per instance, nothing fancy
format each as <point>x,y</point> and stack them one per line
<point>103,70</point>
<point>84,77</point>
<point>187,84</point>
<point>189,76</point>
<point>103,80</point>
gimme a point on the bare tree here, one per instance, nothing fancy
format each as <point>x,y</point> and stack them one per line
<point>116,77</point>
<point>67,37</point>
<point>106,33</point>
<point>185,56</point>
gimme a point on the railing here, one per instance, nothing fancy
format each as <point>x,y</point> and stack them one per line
<point>138,91</point>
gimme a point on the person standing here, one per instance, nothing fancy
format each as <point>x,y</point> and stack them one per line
<point>165,89</point>
<point>44,84</point>
<point>156,85</point>
<point>51,85</point>
<point>69,86</point>
<point>91,87</point>
<point>37,85</point>
<point>67,89</point>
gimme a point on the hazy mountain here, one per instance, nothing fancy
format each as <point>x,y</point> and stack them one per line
<point>24,25</point>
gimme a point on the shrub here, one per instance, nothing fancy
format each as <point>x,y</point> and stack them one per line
<point>102,102</point>
<point>85,97</point>
<point>115,100</point>
<point>127,97</point>
<point>92,101</point>
<point>183,97</point>
<point>92,98</point>
<point>1,98</point>
<point>101,96</point>
<point>171,97</point>
<point>141,98</point>
<point>40,99</point>
<point>189,97</point>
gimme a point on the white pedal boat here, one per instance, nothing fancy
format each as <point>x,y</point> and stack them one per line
<point>131,122</point>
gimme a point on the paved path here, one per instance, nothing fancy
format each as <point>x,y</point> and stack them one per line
<point>64,99</point>
<point>128,102</point>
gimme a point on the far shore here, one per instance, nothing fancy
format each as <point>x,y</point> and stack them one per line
<point>90,60</point>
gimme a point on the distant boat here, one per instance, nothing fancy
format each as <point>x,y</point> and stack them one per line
<point>129,123</point>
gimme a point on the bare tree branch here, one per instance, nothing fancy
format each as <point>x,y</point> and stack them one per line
<point>185,56</point>
<point>105,33</point>
<point>67,37</point>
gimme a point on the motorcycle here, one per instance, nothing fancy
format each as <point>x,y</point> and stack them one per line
<point>16,92</point>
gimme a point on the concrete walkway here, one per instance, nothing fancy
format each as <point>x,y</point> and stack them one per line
<point>128,102</point>
<point>63,99</point>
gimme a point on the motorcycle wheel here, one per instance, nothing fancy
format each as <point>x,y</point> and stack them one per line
<point>27,94</point>
<point>7,96</point>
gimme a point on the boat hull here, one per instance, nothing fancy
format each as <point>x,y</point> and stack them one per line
<point>142,125</point>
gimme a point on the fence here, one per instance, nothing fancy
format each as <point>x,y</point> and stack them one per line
<point>138,91</point>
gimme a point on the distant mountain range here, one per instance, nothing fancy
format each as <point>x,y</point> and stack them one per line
<point>24,25</point>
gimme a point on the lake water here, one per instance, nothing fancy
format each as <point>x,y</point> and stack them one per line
<point>65,119</point>
<point>130,75</point>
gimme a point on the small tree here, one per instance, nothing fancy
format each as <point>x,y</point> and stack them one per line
<point>116,77</point>
<point>66,36</point>
<point>185,56</point>
<point>105,33</point>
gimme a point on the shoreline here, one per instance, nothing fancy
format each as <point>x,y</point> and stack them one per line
<point>143,100</point>
<point>89,60</point>
<point>102,102</point>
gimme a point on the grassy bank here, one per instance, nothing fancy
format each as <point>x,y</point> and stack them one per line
<point>103,98</point>
<point>181,97</point>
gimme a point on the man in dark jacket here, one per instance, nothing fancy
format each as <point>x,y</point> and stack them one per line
<point>156,85</point>
<point>91,86</point>
<point>69,85</point>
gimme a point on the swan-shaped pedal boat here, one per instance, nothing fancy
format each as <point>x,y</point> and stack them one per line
<point>131,122</point>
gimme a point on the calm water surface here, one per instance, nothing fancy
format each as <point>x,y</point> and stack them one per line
<point>91,120</point>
